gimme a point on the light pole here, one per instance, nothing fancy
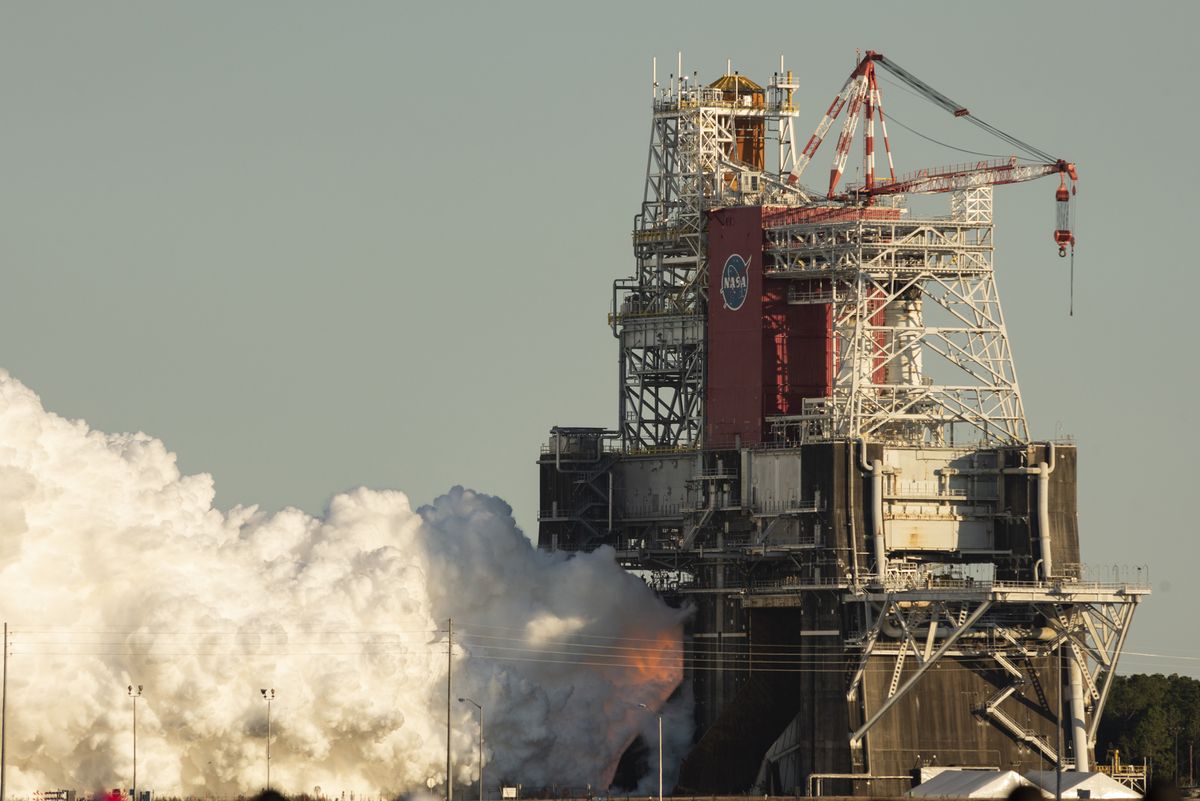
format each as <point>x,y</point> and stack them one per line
<point>269,695</point>
<point>135,693</point>
<point>660,753</point>
<point>480,708</point>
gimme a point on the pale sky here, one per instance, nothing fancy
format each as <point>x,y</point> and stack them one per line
<point>318,245</point>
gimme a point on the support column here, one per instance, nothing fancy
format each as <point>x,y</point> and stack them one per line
<point>1079,736</point>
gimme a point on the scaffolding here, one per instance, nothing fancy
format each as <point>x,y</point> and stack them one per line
<point>699,140</point>
<point>921,351</point>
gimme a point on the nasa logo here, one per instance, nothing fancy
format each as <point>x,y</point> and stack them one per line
<point>735,283</point>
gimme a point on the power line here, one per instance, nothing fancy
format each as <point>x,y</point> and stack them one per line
<point>610,652</point>
<point>892,118</point>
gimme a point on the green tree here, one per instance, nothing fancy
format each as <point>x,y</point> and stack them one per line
<point>1152,717</point>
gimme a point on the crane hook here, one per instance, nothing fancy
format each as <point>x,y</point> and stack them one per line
<point>1062,232</point>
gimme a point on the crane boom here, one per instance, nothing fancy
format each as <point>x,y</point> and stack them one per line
<point>967,176</point>
<point>861,92</point>
<point>849,90</point>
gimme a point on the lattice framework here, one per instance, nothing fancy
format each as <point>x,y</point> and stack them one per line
<point>942,268</point>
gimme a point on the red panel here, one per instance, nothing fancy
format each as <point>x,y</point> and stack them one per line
<point>797,349</point>
<point>878,369</point>
<point>734,403</point>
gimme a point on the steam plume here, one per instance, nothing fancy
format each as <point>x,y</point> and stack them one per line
<point>117,570</point>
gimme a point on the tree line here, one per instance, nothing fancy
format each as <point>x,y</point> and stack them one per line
<point>1157,718</point>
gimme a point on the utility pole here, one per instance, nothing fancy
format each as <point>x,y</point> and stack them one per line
<point>1058,725</point>
<point>478,706</point>
<point>135,694</point>
<point>268,694</point>
<point>449,671</point>
<point>4,717</point>
<point>660,750</point>
<point>660,757</point>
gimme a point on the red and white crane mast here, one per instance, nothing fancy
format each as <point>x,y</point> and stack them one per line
<point>861,91</point>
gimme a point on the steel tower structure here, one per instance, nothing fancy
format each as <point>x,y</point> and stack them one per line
<point>921,353</point>
<point>706,151</point>
<point>823,450</point>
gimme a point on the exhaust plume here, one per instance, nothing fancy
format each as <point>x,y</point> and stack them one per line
<point>115,569</point>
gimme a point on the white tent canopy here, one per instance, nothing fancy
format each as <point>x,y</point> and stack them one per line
<point>952,783</point>
<point>1097,785</point>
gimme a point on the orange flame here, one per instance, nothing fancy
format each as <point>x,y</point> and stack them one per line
<point>657,662</point>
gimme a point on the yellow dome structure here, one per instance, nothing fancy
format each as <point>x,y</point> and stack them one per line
<point>736,85</point>
<point>749,143</point>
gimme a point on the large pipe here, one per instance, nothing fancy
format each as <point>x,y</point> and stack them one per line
<point>1079,735</point>
<point>610,518</point>
<point>862,455</point>
<point>850,482</point>
<point>875,469</point>
<point>1042,471</point>
<point>1043,477</point>
<point>877,520</point>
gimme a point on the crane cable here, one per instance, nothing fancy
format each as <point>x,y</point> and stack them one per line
<point>1072,218</point>
<point>928,92</point>
<point>892,118</point>
<point>957,109</point>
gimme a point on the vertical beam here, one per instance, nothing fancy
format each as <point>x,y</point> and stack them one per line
<point>1079,741</point>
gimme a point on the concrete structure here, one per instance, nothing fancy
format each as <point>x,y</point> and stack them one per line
<point>822,448</point>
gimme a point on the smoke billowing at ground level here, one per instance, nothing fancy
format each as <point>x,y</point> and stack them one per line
<point>117,570</point>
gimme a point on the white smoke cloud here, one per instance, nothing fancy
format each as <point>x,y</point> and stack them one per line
<point>117,570</point>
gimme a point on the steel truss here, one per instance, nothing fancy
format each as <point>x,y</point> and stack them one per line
<point>659,313</point>
<point>954,365</point>
<point>999,626</point>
